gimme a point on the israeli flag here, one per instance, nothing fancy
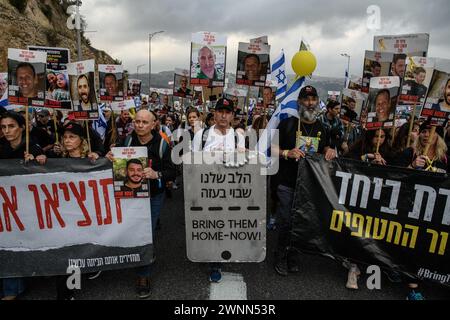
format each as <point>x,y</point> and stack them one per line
<point>288,108</point>
<point>101,124</point>
<point>279,75</point>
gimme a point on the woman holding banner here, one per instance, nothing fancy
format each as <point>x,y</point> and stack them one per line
<point>429,152</point>
<point>373,147</point>
<point>14,145</point>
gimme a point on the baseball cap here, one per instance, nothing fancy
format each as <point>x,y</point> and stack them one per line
<point>225,104</point>
<point>308,91</point>
<point>427,125</point>
<point>75,128</point>
<point>44,112</point>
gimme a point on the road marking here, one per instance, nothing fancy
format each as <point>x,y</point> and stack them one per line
<point>231,287</point>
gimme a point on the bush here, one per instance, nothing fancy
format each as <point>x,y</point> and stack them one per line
<point>20,5</point>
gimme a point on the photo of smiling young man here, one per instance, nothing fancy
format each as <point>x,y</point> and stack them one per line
<point>26,77</point>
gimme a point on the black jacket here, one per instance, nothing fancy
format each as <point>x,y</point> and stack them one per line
<point>162,164</point>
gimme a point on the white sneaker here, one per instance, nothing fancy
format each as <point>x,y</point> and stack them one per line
<point>352,280</point>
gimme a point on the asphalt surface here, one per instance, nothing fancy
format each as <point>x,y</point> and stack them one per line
<point>176,278</point>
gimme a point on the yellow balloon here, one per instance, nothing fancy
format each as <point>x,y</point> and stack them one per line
<point>304,63</point>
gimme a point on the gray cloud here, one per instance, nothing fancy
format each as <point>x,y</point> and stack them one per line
<point>120,21</point>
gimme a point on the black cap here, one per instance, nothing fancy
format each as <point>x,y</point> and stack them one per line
<point>75,128</point>
<point>225,104</point>
<point>44,112</point>
<point>427,126</point>
<point>308,91</point>
<point>347,113</point>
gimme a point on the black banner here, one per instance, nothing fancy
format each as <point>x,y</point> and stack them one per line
<point>395,218</point>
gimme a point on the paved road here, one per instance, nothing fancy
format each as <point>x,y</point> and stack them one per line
<point>175,278</point>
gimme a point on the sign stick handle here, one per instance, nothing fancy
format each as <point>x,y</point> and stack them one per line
<point>411,125</point>
<point>27,130</point>
<point>88,136</point>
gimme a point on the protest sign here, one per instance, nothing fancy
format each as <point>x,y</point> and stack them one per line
<point>355,101</point>
<point>181,84</point>
<point>111,82</point>
<point>383,97</point>
<point>376,64</point>
<point>57,95</point>
<point>225,212</point>
<point>26,77</point>
<point>64,214</point>
<point>409,44</point>
<point>253,62</point>
<point>120,106</point>
<point>134,87</point>
<point>208,59</point>
<point>418,75</point>
<point>128,172</point>
<point>82,90</point>
<point>395,218</point>
<point>437,104</point>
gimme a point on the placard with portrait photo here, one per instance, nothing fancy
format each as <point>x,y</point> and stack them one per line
<point>382,101</point>
<point>354,101</point>
<point>253,61</point>
<point>128,172</point>
<point>208,59</point>
<point>437,105</point>
<point>111,82</point>
<point>418,76</point>
<point>27,72</point>
<point>82,90</point>
<point>376,64</point>
<point>181,84</point>
<point>57,94</point>
<point>134,87</point>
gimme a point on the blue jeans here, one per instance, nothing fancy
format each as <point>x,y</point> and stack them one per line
<point>156,204</point>
<point>13,286</point>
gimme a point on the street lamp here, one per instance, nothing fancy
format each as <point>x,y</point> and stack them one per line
<point>150,36</point>
<point>137,70</point>
<point>345,55</point>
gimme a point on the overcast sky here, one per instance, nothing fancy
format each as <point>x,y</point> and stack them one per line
<point>330,27</point>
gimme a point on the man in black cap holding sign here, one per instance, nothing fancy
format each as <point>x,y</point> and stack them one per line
<point>297,139</point>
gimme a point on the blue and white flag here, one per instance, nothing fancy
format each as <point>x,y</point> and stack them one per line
<point>288,108</point>
<point>279,75</point>
<point>101,124</point>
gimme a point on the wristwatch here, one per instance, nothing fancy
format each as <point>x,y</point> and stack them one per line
<point>159,175</point>
<point>285,154</point>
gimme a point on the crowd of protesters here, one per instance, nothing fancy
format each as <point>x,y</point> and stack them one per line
<point>159,127</point>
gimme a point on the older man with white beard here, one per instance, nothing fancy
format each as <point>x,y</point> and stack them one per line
<point>314,139</point>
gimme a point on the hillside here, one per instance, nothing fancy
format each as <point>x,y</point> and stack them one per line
<point>43,23</point>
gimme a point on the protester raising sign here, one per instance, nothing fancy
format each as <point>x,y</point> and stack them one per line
<point>82,90</point>
<point>57,95</point>
<point>382,101</point>
<point>26,77</point>
<point>208,59</point>
<point>111,82</point>
<point>408,44</point>
<point>253,61</point>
